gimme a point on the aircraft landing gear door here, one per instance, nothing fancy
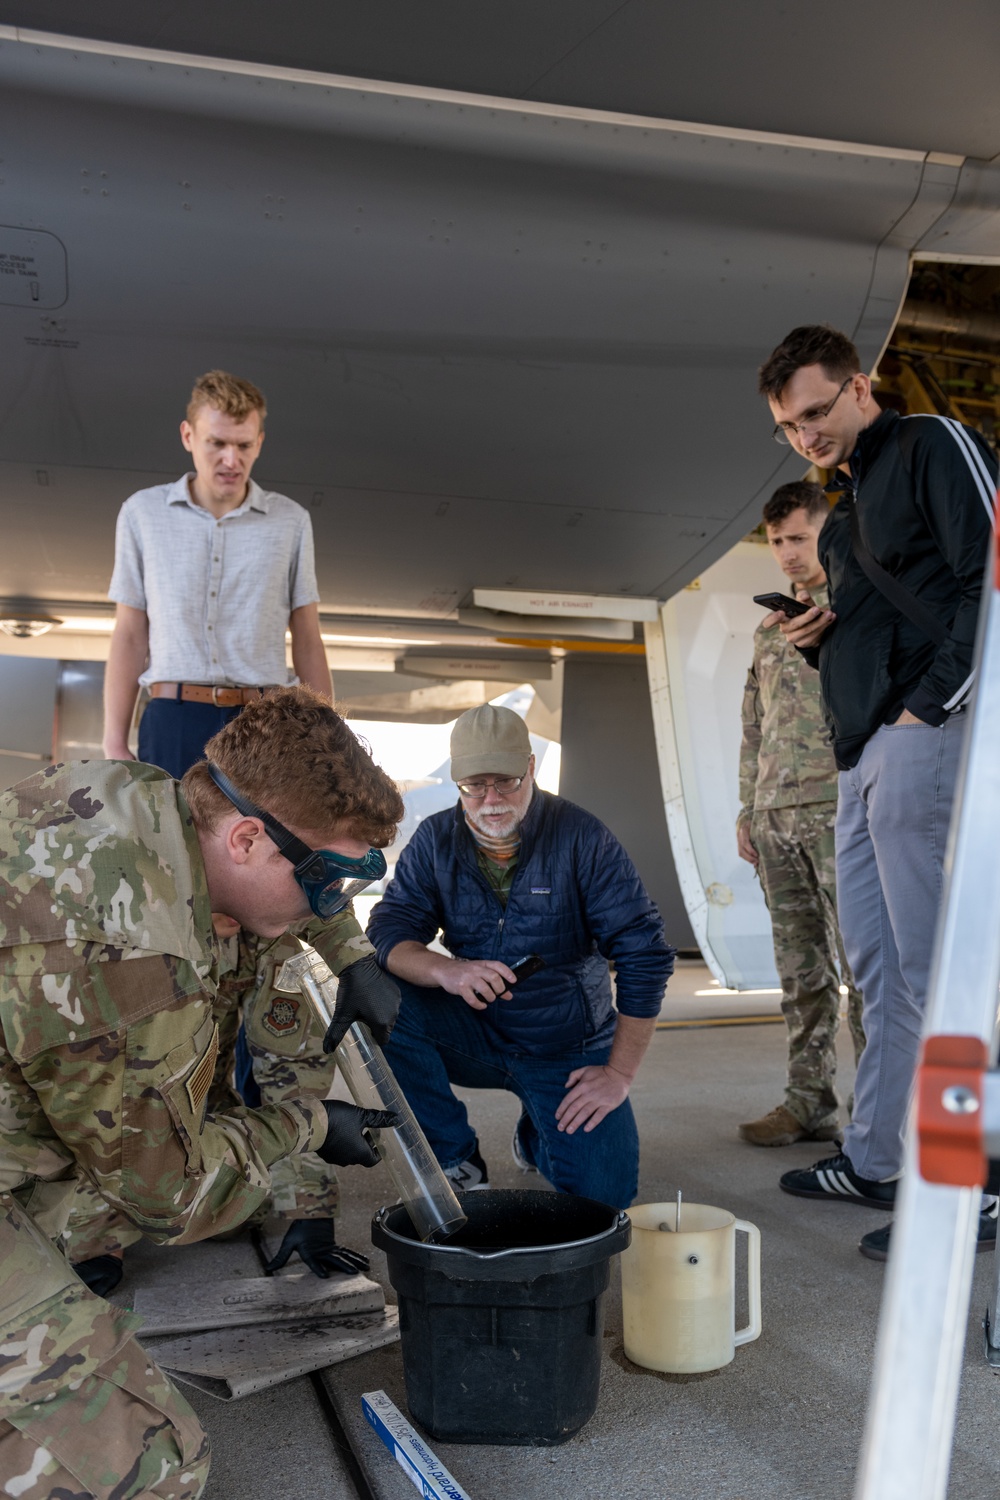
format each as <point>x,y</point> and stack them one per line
<point>697,654</point>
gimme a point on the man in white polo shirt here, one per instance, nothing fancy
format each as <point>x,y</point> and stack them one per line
<point>209,574</point>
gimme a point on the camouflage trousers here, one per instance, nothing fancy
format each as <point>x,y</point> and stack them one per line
<point>798,876</point>
<point>85,1414</point>
<point>302,1187</point>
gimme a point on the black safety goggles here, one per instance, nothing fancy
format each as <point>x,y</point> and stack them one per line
<point>329,880</point>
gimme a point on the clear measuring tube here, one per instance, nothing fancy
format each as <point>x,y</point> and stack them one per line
<point>424,1190</point>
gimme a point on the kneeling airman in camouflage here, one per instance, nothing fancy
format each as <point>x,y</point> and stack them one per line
<point>287,1058</point>
<point>110,968</point>
<point>788,797</point>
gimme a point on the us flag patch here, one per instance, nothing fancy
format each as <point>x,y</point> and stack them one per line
<point>200,1081</point>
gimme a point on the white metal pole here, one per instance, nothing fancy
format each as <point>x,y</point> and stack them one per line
<point>678,828</point>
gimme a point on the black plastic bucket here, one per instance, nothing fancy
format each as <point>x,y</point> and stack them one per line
<point>502,1326</point>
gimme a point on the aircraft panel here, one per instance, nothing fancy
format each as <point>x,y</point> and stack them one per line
<point>493,357</point>
<point>900,73</point>
<point>708,633</point>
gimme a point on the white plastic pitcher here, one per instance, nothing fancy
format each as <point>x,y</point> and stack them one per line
<point>679,1290</point>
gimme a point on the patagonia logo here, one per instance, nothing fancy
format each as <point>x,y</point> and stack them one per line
<point>541,890</point>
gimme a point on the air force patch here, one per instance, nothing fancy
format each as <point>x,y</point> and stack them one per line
<point>282,1016</point>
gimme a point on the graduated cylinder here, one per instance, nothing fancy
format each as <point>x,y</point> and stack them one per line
<point>424,1190</point>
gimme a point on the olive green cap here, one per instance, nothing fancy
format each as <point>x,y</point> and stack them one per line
<point>488,739</point>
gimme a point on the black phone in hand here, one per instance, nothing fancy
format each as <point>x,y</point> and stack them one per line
<point>791,607</point>
<point>525,967</point>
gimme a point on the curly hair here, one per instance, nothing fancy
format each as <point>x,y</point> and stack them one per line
<point>227,393</point>
<point>812,344</point>
<point>294,756</point>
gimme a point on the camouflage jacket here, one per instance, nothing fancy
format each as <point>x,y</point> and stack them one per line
<point>785,758</point>
<point>286,1046</point>
<point>109,978</point>
<point>286,1049</point>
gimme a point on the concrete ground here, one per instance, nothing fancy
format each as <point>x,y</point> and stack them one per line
<point>276,1445</point>
<point>784,1420</point>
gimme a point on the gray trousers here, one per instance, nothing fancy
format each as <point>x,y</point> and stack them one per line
<point>892,830</point>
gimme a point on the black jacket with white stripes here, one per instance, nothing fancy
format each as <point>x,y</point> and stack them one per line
<point>925,489</point>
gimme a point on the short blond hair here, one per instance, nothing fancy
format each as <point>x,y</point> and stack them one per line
<point>227,393</point>
<point>293,755</point>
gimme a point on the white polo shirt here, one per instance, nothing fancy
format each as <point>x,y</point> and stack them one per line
<point>218,594</point>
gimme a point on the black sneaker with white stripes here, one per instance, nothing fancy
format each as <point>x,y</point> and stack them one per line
<point>875,1245</point>
<point>834,1177</point>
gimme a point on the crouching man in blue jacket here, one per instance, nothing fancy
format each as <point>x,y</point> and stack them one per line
<point>510,872</point>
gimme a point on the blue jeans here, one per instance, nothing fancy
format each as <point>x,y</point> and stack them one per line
<point>892,832</point>
<point>246,1084</point>
<point>173,735</point>
<point>438,1040</point>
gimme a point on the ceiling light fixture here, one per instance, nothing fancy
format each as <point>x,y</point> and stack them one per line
<point>372,640</point>
<point>24,626</point>
<point>88,624</point>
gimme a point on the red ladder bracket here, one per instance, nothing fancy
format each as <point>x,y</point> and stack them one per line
<point>949,1098</point>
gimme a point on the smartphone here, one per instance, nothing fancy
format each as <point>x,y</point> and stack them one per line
<point>525,967</point>
<point>791,607</point>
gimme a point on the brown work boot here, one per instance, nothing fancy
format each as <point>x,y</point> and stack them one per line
<point>781,1128</point>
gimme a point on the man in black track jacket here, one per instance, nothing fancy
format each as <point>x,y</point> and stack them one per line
<point>917,502</point>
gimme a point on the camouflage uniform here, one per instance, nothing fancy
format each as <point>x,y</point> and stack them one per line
<point>286,1047</point>
<point>109,974</point>
<point>788,795</point>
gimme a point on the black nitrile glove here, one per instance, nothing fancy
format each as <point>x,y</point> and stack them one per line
<point>314,1243</point>
<point>345,1146</point>
<point>102,1273</point>
<point>364,993</point>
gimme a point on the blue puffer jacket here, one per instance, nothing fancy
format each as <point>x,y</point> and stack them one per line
<point>576,899</point>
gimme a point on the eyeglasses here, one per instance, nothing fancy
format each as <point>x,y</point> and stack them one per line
<point>785,431</point>
<point>324,875</point>
<point>502,785</point>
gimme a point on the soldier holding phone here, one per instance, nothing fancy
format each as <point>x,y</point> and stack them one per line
<point>788,804</point>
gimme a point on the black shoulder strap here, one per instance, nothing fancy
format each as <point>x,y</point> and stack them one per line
<point>908,604</point>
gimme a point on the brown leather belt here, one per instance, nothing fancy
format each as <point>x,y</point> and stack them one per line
<point>205,692</point>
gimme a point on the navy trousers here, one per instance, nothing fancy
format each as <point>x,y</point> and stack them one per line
<point>438,1040</point>
<point>173,735</point>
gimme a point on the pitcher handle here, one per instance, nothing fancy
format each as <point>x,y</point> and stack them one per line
<point>752,1330</point>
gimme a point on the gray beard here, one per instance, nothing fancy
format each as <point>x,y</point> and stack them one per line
<point>496,827</point>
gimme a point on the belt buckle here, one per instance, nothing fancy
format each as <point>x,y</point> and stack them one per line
<point>215,695</point>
